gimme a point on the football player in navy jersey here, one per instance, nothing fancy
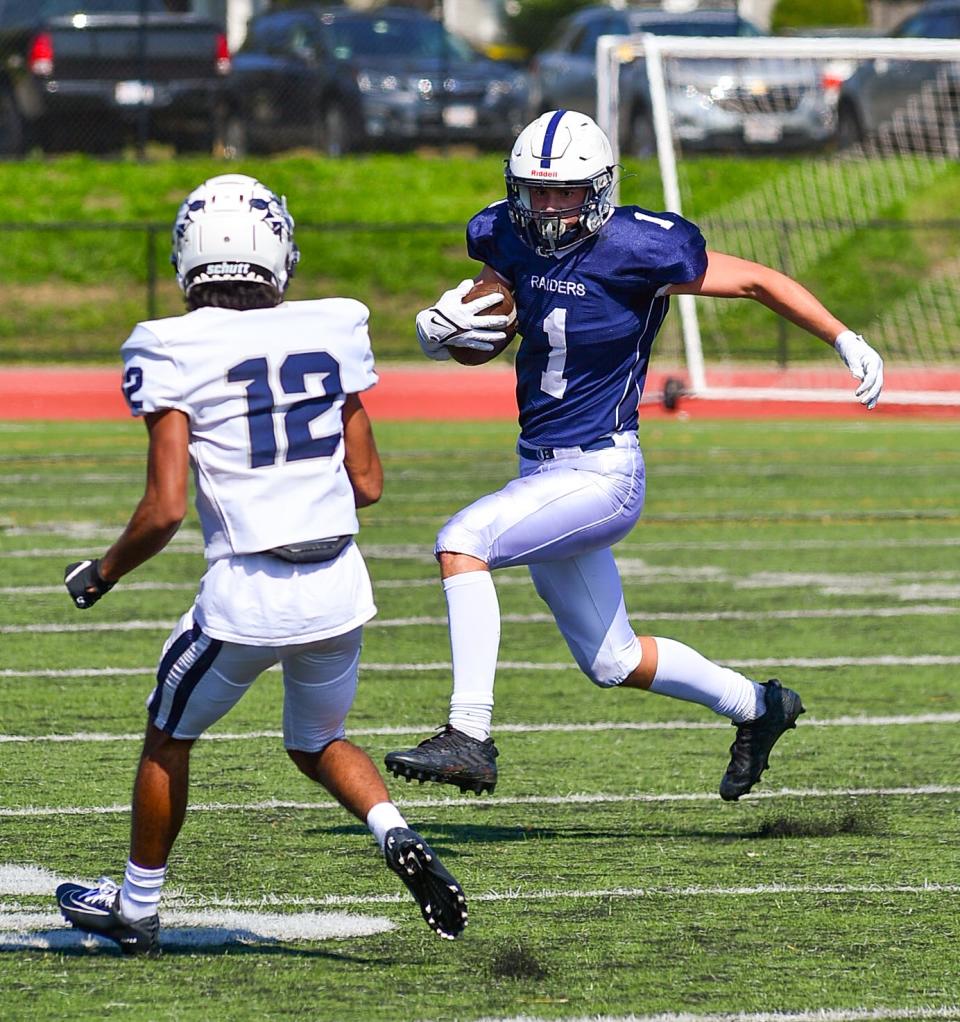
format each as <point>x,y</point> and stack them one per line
<point>261,397</point>
<point>592,284</point>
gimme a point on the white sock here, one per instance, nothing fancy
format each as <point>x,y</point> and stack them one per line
<point>474,615</point>
<point>382,817</point>
<point>140,893</point>
<point>683,673</point>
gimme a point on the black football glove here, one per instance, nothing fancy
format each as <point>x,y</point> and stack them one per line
<point>84,584</point>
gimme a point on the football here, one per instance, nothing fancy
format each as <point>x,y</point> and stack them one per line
<point>505,307</point>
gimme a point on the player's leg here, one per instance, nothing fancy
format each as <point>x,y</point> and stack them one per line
<point>320,682</point>
<point>199,680</point>
<point>553,510</point>
<point>761,712</point>
<point>462,752</point>
<point>586,597</point>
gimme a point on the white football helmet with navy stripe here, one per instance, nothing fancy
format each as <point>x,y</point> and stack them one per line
<point>561,148</point>
<point>233,228</point>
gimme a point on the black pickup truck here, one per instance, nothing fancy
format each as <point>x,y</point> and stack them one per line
<point>94,74</point>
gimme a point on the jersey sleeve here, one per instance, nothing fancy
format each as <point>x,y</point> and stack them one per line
<point>483,232</point>
<point>357,371</point>
<point>684,256</point>
<point>152,379</point>
<point>668,249</point>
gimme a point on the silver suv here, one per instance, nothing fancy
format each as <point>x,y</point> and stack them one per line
<point>722,103</point>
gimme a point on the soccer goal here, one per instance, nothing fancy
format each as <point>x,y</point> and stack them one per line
<point>835,160</point>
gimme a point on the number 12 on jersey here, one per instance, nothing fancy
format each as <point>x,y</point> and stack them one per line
<point>297,419</point>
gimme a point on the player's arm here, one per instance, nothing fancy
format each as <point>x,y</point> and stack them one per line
<point>727,276</point>
<point>450,321</point>
<point>361,458</point>
<point>156,518</point>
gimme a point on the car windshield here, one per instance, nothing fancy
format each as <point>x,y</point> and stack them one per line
<point>385,37</point>
<point>720,27</point>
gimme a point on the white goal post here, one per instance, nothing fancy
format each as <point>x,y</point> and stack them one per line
<point>831,192</point>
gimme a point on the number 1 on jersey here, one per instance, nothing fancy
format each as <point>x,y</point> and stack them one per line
<point>555,327</point>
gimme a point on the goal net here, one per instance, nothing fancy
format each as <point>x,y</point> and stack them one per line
<point>834,160</point>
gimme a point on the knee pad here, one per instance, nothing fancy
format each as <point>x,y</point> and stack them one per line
<point>457,537</point>
<point>609,667</point>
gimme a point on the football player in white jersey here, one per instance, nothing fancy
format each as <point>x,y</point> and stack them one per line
<point>261,397</point>
<point>592,283</point>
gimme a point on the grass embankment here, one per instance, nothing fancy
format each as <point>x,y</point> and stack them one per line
<point>386,229</point>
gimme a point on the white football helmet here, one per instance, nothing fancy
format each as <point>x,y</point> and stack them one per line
<point>560,148</point>
<point>230,228</point>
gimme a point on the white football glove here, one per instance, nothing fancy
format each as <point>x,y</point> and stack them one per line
<point>864,364</point>
<point>451,322</point>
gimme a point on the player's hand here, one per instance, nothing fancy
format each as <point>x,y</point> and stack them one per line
<point>85,584</point>
<point>864,364</point>
<point>450,322</point>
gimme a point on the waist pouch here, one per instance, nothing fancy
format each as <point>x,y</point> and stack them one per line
<point>313,551</point>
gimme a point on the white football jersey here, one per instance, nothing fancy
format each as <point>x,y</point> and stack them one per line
<point>264,392</point>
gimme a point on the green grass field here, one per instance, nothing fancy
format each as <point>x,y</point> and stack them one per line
<point>605,877</point>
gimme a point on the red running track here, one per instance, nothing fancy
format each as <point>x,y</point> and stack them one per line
<point>445,392</point>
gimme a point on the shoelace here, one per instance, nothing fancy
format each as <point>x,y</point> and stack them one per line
<point>105,893</point>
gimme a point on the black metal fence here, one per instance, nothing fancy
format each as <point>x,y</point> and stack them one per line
<point>73,290</point>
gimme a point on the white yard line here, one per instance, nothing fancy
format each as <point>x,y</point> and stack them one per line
<point>805,663</point>
<point>271,805</point>
<point>918,610</point>
<point>187,543</point>
<point>19,880</point>
<point>136,587</point>
<point>904,720</point>
<point>73,553</point>
<point>47,931</point>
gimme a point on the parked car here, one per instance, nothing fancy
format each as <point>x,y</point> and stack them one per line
<point>924,94</point>
<point>716,103</point>
<point>90,74</point>
<point>339,79</point>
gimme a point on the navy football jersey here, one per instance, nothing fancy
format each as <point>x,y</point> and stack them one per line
<point>588,316</point>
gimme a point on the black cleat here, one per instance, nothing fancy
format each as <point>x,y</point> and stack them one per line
<point>450,757</point>
<point>97,910</point>
<point>755,738</point>
<point>440,897</point>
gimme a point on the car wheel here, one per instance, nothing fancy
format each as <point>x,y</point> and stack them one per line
<point>641,138</point>
<point>11,127</point>
<point>849,128</point>
<point>335,136</point>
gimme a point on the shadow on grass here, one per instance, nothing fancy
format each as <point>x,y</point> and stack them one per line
<point>225,950</point>
<point>437,834</point>
<point>449,839</point>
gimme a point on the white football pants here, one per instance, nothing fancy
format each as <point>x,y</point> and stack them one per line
<point>200,679</point>
<point>560,518</point>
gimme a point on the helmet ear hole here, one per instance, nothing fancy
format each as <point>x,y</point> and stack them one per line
<point>561,148</point>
